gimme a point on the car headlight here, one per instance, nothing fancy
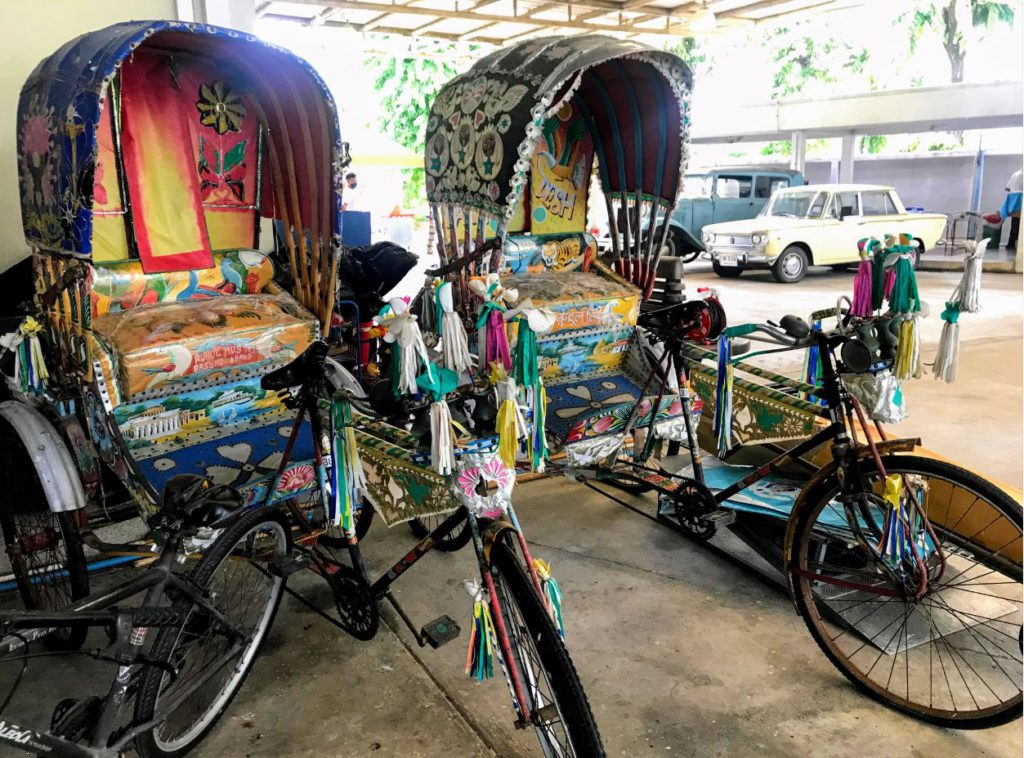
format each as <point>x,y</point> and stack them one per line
<point>759,239</point>
<point>708,237</point>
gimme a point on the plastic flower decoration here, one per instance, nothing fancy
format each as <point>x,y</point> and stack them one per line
<point>220,108</point>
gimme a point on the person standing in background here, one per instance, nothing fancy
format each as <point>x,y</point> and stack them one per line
<point>1011,207</point>
<point>351,196</point>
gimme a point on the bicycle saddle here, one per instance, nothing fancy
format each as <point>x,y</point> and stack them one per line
<point>308,366</point>
<point>198,502</point>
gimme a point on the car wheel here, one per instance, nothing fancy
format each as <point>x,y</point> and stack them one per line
<point>791,266</point>
<point>726,272</point>
<point>919,252</point>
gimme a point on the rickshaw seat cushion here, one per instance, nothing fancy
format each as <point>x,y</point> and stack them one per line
<point>171,348</point>
<point>122,285</point>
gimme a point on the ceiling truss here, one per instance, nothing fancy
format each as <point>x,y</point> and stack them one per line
<point>501,21</point>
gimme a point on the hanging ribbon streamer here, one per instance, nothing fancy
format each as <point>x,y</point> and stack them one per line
<point>862,305</point>
<point>552,593</point>
<point>511,424</point>
<point>348,482</point>
<point>454,342</point>
<point>483,643</point>
<point>30,372</point>
<point>966,298</point>
<point>812,366</point>
<point>904,297</point>
<point>723,396</point>
<point>404,332</point>
<point>490,322</point>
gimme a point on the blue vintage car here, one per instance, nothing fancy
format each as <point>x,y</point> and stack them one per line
<point>725,194</point>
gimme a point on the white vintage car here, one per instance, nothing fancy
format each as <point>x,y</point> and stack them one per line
<point>815,225</point>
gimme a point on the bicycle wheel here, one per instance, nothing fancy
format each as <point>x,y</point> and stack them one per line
<point>44,548</point>
<point>953,657</point>
<point>564,724</point>
<point>456,539</point>
<point>234,576</point>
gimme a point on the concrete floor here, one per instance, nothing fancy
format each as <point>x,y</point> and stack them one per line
<point>680,651</point>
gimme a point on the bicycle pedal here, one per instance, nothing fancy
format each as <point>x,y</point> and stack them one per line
<point>719,518</point>
<point>286,565</point>
<point>440,631</point>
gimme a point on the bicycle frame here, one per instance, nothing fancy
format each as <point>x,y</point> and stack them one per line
<point>125,649</point>
<point>380,588</point>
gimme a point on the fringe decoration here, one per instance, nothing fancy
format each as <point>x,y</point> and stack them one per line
<point>908,351</point>
<point>492,322</point>
<point>552,594</point>
<point>511,424</point>
<point>527,374</point>
<point>723,397</point>
<point>483,643</point>
<point>968,292</point>
<point>405,332</point>
<point>348,481</point>
<point>812,367</point>
<point>881,282</point>
<point>949,345</point>
<point>442,438</point>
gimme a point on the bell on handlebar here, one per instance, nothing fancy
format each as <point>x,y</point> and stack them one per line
<point>794,326</point>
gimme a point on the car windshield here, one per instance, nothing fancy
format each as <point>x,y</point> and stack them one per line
<point>794,205</point>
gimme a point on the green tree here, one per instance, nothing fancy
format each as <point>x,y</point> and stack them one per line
<point>801,60</point>
<point>949,20</point>
<point>694,53</point>
<point>407,87</point>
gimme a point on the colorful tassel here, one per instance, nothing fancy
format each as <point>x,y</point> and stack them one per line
<point>908,349</point>
<point>404,332</point>
<point>894,538</point>
<point>881,279</point>
<point>490,322</point>
<point>949,345</point>
<point>510,423</point>
<point>30,372</point>
<point>723,397</point>
<point>454,342</point>
<point>483,643</point>
<point>968,291</point>
<point>442,438</point>
<point>904,297</point>
<point>348,481</point>
<point>527,374</point>
<point>552,594</point>
<point>861,306</point>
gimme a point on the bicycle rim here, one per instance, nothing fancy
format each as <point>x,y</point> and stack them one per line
<point>545,670</point>
<point>248,597</point>
<point>952,657</point>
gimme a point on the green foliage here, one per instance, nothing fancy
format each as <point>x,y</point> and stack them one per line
<point>873,144</point>
<point>943,19</point>
<point>800,60</point>
<point>783,147</point>
<point>693,52</point>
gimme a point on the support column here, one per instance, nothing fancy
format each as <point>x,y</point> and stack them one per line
<point>846,159</point>
<point>798,155</point>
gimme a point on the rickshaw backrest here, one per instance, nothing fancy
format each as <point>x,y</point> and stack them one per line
<point>119,286</point>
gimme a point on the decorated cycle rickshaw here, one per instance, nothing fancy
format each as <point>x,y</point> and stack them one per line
<point>166,352</point>
<point>867,533</point>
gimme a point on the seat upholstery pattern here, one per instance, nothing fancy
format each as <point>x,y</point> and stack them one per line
<point>176,347</point>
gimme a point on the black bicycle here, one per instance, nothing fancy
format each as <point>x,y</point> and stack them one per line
<point>209,623</point>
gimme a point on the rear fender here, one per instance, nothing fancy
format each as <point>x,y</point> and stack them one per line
<point>818,480</point>
<point>50,457</point>
<point>492,532</point>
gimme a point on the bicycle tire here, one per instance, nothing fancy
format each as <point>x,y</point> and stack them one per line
<point>451,542</point>
<point>47,579</point>
<point>1008,513</point>
<point>534,629</point>
<point>149,744</point>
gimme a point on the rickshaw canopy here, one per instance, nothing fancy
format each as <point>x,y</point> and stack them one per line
<point>485,124</point>
<point>62,106</point>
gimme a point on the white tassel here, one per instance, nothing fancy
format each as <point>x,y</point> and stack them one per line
<point>455,345</point>
<point>968,292</point>
<point>442,439</point>
<point>404,330</point>
<point>948,353</point>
